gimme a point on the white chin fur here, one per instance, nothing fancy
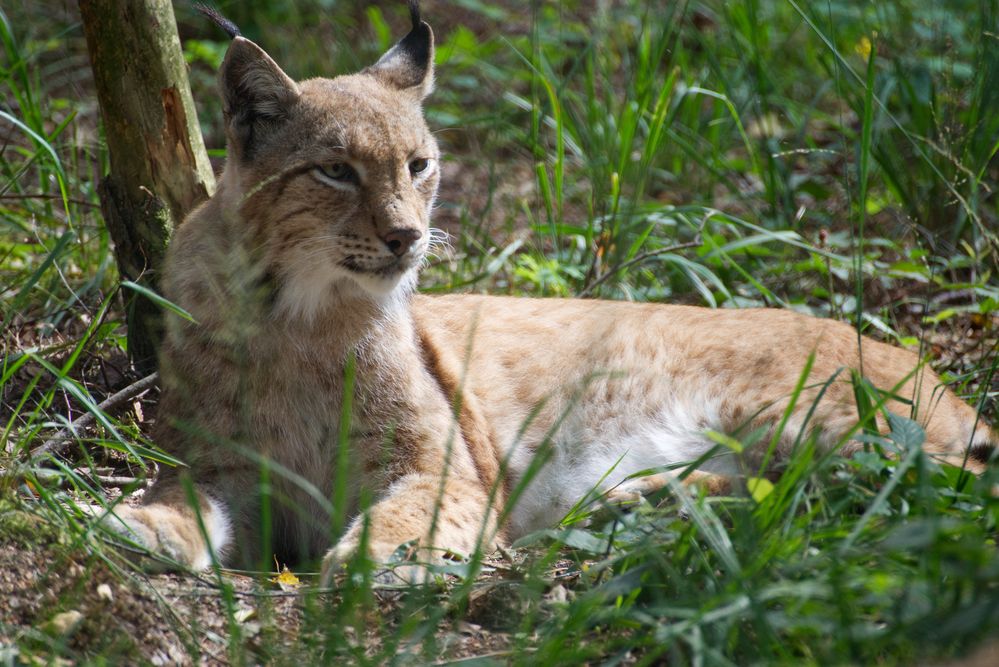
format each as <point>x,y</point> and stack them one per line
<point>307,292</point>
<point>384,288</point>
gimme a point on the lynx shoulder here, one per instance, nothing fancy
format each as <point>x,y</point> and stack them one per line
<point>299,275</point>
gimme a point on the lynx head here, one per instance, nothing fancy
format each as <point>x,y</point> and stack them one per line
<point>333,179</point>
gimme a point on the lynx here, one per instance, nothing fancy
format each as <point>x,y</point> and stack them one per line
<point>310,359</point>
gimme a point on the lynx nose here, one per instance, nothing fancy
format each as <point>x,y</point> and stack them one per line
<point>399,241</point>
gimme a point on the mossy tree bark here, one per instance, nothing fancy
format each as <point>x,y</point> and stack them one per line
<point>159,167</point>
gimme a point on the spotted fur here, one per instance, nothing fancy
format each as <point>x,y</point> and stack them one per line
<point>300,271</point>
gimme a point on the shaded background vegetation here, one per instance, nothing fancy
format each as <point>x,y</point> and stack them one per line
<point>834,157</point>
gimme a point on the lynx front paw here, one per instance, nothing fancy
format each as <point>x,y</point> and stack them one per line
<point>173,533</point>
<point>345,550</point>
<point>393,566</point>
<point>335,559</point>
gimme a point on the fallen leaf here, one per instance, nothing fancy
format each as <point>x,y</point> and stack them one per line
<point>285,578</point>
<point>244,614</point>
<point>759,488</point>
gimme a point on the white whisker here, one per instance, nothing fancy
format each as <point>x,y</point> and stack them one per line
<point>439,239</point>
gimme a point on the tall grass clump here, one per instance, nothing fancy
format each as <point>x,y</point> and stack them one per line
<point>57,271</point>
<point>835,157</point>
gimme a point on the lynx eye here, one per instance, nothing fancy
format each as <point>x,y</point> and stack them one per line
<point>418,165</point>
<point>339,171</point>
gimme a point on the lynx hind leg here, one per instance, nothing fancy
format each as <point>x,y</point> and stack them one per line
<point>633,491</point>
<point>169,526</point>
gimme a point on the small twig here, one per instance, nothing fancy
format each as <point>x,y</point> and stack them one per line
<point>638,259</point>
<point>115,482</point>
<point>64,436</point>
<point>71,200</point>
<point>60,478</point>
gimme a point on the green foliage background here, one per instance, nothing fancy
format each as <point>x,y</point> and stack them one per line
<point>834,157</point>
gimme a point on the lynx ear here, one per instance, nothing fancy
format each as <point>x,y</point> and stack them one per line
<point>409,65</point>
<point>255,92</point>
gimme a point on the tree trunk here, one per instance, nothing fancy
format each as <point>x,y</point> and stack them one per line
<point>159,167</point>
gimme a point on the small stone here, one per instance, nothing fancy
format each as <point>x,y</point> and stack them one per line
<point>64,624</point>
<point>558,594</point>
<point>104,593</point>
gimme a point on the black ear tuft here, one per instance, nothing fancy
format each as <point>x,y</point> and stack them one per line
<point>215,16</point>
<point>414,13</point>
<point>409,65</point>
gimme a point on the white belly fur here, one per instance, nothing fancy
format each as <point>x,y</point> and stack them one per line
<point>585,453</point>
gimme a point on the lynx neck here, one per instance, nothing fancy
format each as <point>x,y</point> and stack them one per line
<point>347,319</point>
